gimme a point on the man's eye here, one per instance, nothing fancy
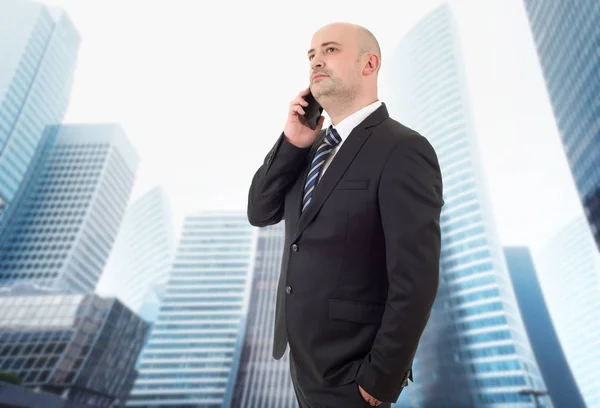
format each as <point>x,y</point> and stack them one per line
<point>330,48</point>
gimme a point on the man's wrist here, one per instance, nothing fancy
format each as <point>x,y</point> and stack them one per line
<point>291,142</point>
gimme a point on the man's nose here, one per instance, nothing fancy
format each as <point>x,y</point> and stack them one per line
<point>316,63</point>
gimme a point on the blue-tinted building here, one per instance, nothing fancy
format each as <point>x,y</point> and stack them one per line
<point>262,381</point>
<point>567,38</point>
<point>141,257</point>
<point>65,222</point>
<point>474,351</point>
<point>81,347</point>
<point>192,356</point>
<point>569,274</point>
<point>549,354</point>
<point>38,53</point>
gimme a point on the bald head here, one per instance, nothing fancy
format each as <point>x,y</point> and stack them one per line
<point>344,65</point>
<point>367,43</point>
<point>357,35</point>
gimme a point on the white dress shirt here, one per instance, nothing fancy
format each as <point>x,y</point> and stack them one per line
<point>346,126</point>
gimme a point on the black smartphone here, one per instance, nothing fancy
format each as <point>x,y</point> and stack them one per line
<point>312,111</point>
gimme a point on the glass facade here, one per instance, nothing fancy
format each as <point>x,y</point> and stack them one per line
<point>142,254</point>
<point>474,351</point>
<point>567,38</point>
<point>191,358</point>
<point>62,232</point>
<point>81,347</point>
<point>39,54</point>
<point>548,352</point>
<point>570,278</point>
<point>262,381</point>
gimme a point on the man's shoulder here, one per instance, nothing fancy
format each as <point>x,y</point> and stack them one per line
<point>391,131</point>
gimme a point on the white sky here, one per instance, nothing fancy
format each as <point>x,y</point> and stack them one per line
<point>202,87</point>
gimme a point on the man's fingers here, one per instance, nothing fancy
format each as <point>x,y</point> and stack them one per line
<point>298,101</point>
<point>298,110</point>
<point>367,397</point>
<point>320,122</point>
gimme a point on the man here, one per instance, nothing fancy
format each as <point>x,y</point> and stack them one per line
<point>361,202</point>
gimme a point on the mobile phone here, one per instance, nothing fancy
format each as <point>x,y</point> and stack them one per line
<point>312,111</point>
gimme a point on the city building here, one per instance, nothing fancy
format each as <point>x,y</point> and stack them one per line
<point>141,257</point>
<point>262,381</point>
<point>193,352</point>
<point>81,347</point>
<point>475,350</point>
<point>566,36</point>
<point>65,223</point>
<point>569,274</point>
<point>550,357</point>
<point>39,48</point>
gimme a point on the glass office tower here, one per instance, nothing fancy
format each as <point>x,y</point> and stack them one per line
<point>191,358</point>
<point>262,381</point>
<point>38,54</point>
<point>567,38</point>
<point>81,347</point>
<point>474,351</point>
<point>141,257</point>
<point>549,354</point>
<point>63,229</point>
<point>570,277</point>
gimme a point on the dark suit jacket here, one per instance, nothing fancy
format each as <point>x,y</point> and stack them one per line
<point>360,266</point>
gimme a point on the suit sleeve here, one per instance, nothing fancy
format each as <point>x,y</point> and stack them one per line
<point>410,200</point>
<point>272,180</point>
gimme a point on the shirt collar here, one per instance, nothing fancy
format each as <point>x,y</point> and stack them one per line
<point>349,123</point>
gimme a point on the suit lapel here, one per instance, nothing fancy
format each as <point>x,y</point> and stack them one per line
<point>335,171</point>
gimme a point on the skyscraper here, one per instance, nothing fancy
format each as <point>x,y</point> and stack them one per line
<point>39,49</point>
<point>570,278</point>
<point>79,346</point>
<point>474,350</point>
<point>191,358</point>
<point>74,198</point>
<point>262,381</point>
<point>142,254</point>
<point>567,38</point>
<point>548,352</point>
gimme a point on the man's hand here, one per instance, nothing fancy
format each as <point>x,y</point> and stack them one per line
<point>296,129</point>
<point>371,400</point>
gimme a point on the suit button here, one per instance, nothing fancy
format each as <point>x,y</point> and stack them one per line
<point>295,248</point>
<point>288,290</point>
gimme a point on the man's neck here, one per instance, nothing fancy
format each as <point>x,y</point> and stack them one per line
<point>338,110</point>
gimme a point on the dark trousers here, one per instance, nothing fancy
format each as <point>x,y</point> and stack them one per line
<point>311,394</point>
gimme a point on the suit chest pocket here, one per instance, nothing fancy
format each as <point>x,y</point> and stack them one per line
<point>352,184</point>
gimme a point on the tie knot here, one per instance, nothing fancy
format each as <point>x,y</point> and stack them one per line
<point>333,137</point>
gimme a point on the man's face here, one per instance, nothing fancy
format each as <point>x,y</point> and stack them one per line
<point>334,62</point>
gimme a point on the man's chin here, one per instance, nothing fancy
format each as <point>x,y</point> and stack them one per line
<point>319,90</point>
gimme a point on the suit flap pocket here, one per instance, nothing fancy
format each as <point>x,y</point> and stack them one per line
<point>352,184</point>
<point>358,312</point>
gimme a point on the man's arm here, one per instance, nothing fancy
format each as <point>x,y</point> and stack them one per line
<point>272,180</point>
<point>410,200</point>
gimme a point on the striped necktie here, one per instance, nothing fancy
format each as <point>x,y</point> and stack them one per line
<point>332,139</point>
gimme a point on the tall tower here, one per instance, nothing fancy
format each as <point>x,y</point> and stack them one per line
<point>550,356</point>
<point>474,351</point>
<point>262,381</point>
<point>570,278</point>
<point>192,356</point>
<point>141,257</point>
<point>567,38</point>
<point>39,49</point>
<point>66,221</point>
